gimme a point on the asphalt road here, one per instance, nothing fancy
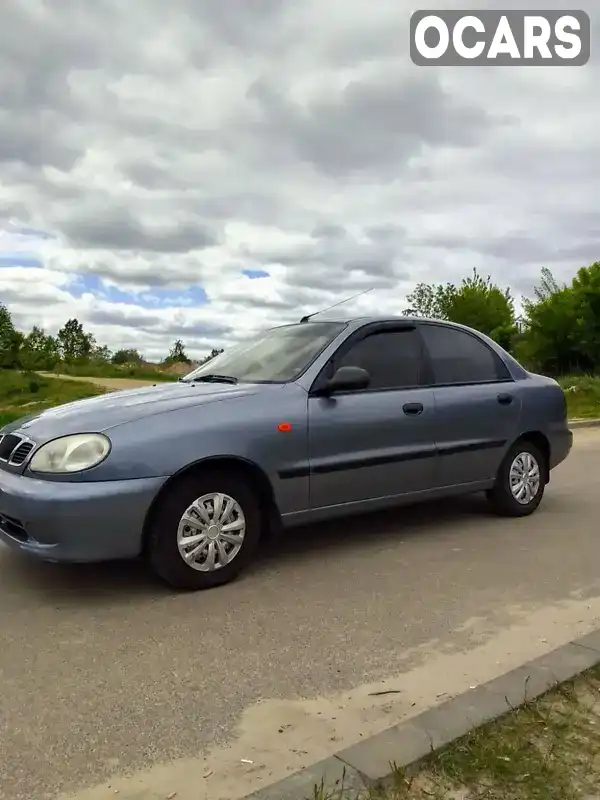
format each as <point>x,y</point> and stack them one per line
<point>105,673</point>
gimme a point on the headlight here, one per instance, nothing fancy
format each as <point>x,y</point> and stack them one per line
<point>71,453</point>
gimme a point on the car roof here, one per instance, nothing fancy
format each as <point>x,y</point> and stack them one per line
<point>359,321</point>
<point>354,323</point>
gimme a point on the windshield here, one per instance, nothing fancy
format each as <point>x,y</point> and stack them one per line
<point>278,355</point>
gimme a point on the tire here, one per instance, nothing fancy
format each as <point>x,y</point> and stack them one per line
<point>167,528</point>
<point>501,496</point>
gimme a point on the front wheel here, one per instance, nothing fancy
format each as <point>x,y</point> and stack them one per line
<point>520,481</point>
<point>205,530</point>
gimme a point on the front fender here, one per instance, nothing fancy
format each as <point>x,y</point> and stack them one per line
<point>245,428</point>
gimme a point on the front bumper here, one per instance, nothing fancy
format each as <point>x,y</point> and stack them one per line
<point>75,522</point>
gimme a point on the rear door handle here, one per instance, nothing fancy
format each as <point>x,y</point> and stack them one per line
<point>505,399</point>
<point>412,409</point>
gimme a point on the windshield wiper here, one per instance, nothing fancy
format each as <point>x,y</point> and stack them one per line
<point>212,377</point>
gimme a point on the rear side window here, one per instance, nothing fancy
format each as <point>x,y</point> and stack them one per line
<point>460,357</point>
<point>393,359</point>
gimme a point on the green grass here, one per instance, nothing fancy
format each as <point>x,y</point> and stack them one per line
<point>548,749</point>
<point>583,395</point>
<point>8,416</point>
<point>23,393</point>
<point>141,373</point>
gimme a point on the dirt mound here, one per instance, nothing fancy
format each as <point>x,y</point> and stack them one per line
<point>178,368</point>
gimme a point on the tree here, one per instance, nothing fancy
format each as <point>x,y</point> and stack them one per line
<point>39,350</point>
<point>428,300</point>
<point>177,354</point>
<point>74,343</point>
<point>476,302</point>
<point>562,325</point>
<point>586,299</point>
<point>549,342</point>
<point>482,305</point>
<point>9,342</point>
<point>126,357</point>
<point>548,285</point>
<point>100,354</point>
<point>216,351</point>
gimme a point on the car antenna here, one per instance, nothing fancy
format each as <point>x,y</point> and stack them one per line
<point>335,305</point>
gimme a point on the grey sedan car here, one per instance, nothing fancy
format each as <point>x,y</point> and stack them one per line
<point>305,422</point>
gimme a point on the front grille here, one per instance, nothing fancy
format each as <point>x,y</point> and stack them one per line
<point>7,444</point>
<point>15,449</point>
<point>20,453</point>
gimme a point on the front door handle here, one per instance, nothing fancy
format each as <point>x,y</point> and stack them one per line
<point>505,399</point>
<point>412,409</point>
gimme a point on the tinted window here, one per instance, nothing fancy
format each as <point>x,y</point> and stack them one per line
<point>459,357</point>
<point>392,359</point>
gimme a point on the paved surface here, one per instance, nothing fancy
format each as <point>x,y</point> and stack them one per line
<point>105,672</point>
<point>111,384</point>
<point>375,761</point>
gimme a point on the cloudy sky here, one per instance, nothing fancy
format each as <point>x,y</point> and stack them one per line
<point>199,169</point>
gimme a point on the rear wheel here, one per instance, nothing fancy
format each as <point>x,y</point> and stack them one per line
<point>204,531</point>
<point>520,481</point>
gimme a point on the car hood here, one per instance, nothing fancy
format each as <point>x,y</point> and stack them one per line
<point>96,414</point>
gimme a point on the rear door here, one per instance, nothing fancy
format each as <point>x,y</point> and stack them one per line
<point>477,407</point>
<point>377,442</point>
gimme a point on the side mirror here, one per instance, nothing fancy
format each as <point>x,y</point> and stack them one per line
<point>347,379</point>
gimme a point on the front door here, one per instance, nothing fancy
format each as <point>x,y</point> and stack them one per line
<point>477,409</point>
<point>378,442</point>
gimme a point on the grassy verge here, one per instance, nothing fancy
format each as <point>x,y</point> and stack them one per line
<point>24,393</point>
<point>583,396</point>
<point>548,749</point>
<point>140,373</point>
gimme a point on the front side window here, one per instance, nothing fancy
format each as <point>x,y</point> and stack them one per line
<point>460,357</point>
<point>278,355</point>
<point>392,359</point>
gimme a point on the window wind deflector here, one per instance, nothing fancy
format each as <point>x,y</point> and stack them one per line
<point>213,377</point>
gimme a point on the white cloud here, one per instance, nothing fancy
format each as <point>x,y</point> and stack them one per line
<point>171,148</point>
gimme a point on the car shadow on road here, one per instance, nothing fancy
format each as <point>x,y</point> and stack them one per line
<point>117,583</point>
<point>363,530</point>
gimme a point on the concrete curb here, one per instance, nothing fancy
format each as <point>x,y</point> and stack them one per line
<point>368,763</point>
<point>584,423</point>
